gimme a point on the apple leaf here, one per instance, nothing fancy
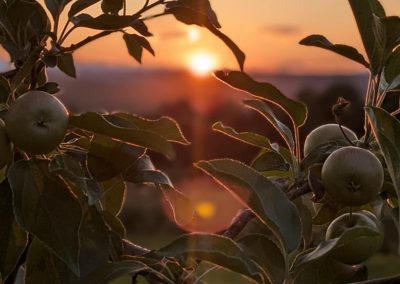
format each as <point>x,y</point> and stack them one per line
<point>250,138</point>
<point>106,22</point>
<point>267,254</point>
<point>164,126</point>
<point>13,239</point>
<point>112,6</point>
<point>41,200</point>
<point>386,129</point>
<point>80,5</point>
<point>66,64</point>
<point>267,201</point>
<point>364,11</point>
<point>136,44</point>
<point>392,69</point>
<point>265,91</point>
<point>262,108</point>
<point>96,123</point>
<point>344,50</point>
<point>216,249</point>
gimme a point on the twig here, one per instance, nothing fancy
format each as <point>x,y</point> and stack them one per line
<point>87,40</point>
<point>304,189</point>
<point>238,223</point>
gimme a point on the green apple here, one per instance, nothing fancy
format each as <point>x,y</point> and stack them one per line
<point>357,250</point>
<point>352,176</point>
<point>36,122</point>
<point>327,133</point>
<point>5,146</point>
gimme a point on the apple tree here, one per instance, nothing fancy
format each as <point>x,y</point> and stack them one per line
<point>311,215</point>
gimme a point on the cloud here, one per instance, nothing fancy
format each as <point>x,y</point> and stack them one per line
<point>282,30</point>
<point>172,35</point>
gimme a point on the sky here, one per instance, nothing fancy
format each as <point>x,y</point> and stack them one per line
<point>267,31</point>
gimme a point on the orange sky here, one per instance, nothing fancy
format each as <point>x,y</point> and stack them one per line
<point>267,31</point>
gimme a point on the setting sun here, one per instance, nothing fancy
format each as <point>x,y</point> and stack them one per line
<point>202,63</point>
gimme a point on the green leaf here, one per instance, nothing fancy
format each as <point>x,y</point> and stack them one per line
<point>24,71</point>
<point>113,197</point>
<point>216,249</point>
<point>49,87</point>
<point>387,33</point>
<point>143,171</point>
<point>392,69</point>
<point>80,5</point>
<point>268,161</point>
<point>364,11</point>
<point>344,50</point>
<point>262,108</point>
<point>66,64</point>
<point>328,248</point>
<point>42,266</point>
<point>13,239</point>
<point>106,22</point>
<point>94,242</point>
<point>268,202</point>
<point>41,201</point>
<point>110,271</point>
<point>250,138</point>
<point>96,123</point>
<point>112,6</point>
<point>164,126</point>
<point>136,44</point>
<point>386,129</point>
<point>267,254</point>
<point>266,91</point>
<point>327,271</point>
<point>109,158</point>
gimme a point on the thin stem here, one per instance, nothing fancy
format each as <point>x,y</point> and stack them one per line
<point>396,112</point>
<point>153,16</point>
<point>87,40</point>
<point>367,129</point>
<point>147,7</point>
<point>56,20</point>
<point>124,8</point>
<point>64,30</point>
<point>61,41</point>
<point>304,189</point>
<point>297,149</point>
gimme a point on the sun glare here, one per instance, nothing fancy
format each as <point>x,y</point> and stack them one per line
<point>205,209</point>
<point>193,34</point>
<point>202,64</point>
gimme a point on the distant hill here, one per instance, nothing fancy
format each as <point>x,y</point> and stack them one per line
<point>103,88</point>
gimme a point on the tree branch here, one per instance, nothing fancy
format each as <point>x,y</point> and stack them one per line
<point>87,40</point>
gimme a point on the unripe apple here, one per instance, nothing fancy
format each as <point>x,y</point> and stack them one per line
<point>357,250</point>
<point>327,133</point>
<point>352,176</point>
<point>36,122</point>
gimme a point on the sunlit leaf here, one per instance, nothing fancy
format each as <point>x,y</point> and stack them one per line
<point>216,249</point>
<point>267,112</point>
<point>268,202</point>
<point>267,254</point>
<point>13,239</point>
<point>344,50</point>
<point>96,123</point>
<point>386,129</point>
<point>164,126</point>
<point>364,11</point>
<point>250,138</point>
<point>113,196</point>
<point>266,91</point>
<point>41,201</point>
